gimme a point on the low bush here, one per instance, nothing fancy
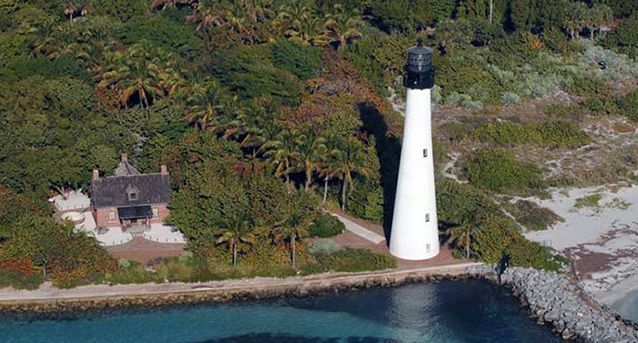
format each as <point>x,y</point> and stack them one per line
<point>350,260</point>
<point>555,133</point>
<point>510,98</point>
<point>303,61</point>
<point>326,226</point>
<point>589,201</point>
<point>499,170</point>
<point>323,246</point>
<point>532,216</point>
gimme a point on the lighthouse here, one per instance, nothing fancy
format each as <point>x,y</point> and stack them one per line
<point>415,234</point>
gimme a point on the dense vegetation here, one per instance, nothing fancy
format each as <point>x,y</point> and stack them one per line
<point>265,110</point>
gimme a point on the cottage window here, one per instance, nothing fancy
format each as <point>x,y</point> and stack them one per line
<point>155,212</point>
<point>112,216</point>
<point>132,196</point>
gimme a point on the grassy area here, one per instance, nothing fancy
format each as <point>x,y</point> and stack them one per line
<point>532,216</point>
<point>589,201</point>
<point>189,269</point>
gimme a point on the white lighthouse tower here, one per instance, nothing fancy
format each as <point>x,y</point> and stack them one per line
<point>415,234</point>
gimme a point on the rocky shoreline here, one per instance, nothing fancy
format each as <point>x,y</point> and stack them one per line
<point>551,298</point>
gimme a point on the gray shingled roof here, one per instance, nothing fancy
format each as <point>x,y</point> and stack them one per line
<point>125,169</point>
<point>112,191</point>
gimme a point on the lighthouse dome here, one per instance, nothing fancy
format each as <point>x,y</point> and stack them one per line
<point>419,70</point>
<point>419,58</point>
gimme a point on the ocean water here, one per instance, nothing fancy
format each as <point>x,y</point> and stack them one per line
<point>469,311</point>
<point>628,306</point>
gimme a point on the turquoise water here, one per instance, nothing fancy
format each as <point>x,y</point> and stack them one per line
<point>469,311</point>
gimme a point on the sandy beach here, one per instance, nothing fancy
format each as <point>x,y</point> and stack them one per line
<point>601,240</point>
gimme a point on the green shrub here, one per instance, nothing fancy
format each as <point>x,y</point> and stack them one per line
<point>134,273</point>
<point>510,98</point>
<point>162,32</point>
<point>498,170</point>
<point>249,73</point>
<point>350,260</point>
<point>532,216</point>
<point>124,263</point>
<point>303,61</point>
<point>326,226</point>
<point>624,38</point>
<point>323,246</point>
<point>498,235</point>
<point>589,201</point>
<point>19,281</point>
<point>556,133</point>
<point>562,134</point>
<point>628,105</point>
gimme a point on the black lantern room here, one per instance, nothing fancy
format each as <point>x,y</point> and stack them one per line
<point>419,70</point>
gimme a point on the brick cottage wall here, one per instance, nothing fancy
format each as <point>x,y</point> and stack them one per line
<point>161,215</point>
<point>101,216</point>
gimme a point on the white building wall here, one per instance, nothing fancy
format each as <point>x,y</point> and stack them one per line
<point>414,233</point>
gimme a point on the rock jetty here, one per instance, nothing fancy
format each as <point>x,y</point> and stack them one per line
<point>551,298</point>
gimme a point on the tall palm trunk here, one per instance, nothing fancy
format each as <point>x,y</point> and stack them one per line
<point>467,246</point>
<point>343,192</point>
<point>234,254</point>
<point>293,248</point>
<point>308,178</point>
<point>325,190</point>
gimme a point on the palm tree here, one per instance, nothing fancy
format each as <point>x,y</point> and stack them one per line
<point>283,154</point>
<point>311,147</point>
<point>131,72</point>
<point>290,229</point>
<point>340,29</point>
<point>328,165</point>
<point>206,103</point>
<point>295,21</point>
<point>463,235</point>
<point>207,13</point>
<point>576,18</point>
<point>350,160</point>
<point>235,229</point>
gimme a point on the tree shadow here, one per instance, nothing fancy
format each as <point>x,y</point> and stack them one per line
<point>389,154</point>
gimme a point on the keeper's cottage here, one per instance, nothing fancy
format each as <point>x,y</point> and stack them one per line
<point>129,198</point>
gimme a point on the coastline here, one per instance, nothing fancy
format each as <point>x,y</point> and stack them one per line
<point>547,296</point>
<point>96,297</point>
<point>601,241</point>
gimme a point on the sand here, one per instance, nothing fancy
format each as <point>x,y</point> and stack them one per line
<point>602,242</point>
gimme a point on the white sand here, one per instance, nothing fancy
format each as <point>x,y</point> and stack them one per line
<point>608,230</point>
<point>585,225</point>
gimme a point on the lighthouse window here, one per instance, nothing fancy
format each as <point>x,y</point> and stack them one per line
<point>427,247</point>
<point>427,217</point>
<point>425,152</point>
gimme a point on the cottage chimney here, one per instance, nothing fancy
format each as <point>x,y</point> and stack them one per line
<point>163,169</point>
<point>96,174</point>
<point>124,157</point>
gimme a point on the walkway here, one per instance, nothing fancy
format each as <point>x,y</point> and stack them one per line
<point>360,231</point>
